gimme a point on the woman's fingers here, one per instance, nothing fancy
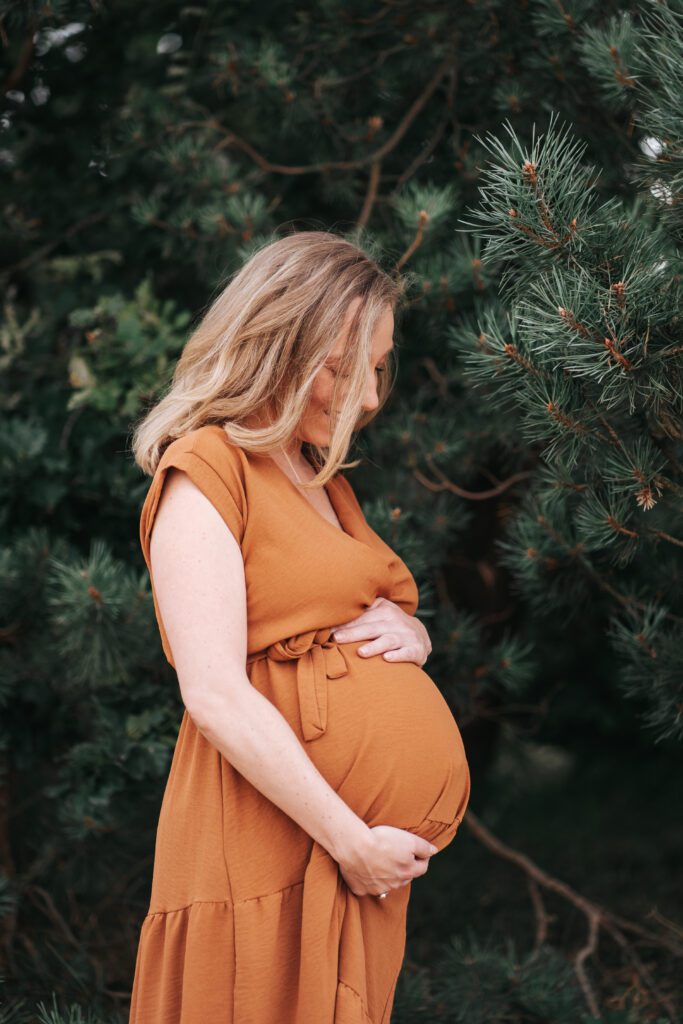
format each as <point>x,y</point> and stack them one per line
<point>365,630</point>
<point>386,642</point>
<point>382,639</point>
<point>366,616</point>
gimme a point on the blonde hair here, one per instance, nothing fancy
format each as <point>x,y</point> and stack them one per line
<point>263,339</point>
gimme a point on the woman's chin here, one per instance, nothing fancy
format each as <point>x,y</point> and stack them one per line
<point>321,438</point>
<point>319,430</point>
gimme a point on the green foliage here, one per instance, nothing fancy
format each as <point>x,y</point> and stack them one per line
<point>128,349</point>
<point>660,168</point>
<point>526,468</point>
<point>615,77</point>
<point>588,356</point>
<point>484,984</point>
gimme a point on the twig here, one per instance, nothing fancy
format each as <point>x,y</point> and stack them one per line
<point>626,600</point>
<point>320,84</point>
<point>439,378</point>
<point>422,219</point>
<point>38,254</point>
<point>667,536</point>
<point>541,915</point>
<point>231,139</point>
<point>427,151</point>
<point>667,923</point>
<point>23,63</point>
<point>596,915</point>
<point>33,891</point>
<point>370,195</point>
<point>448,485</point>
<point>641,969</point>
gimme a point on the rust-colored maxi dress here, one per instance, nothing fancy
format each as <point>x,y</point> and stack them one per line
<point>250,921</point>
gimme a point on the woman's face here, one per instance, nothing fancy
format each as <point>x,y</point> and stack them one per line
<point>315,424</point>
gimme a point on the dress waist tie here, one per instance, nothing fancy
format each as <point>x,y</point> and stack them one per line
<point>318,659</point>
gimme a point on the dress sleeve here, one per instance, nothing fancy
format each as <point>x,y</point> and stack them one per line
<point>218,468</point>
<point>215,466</point>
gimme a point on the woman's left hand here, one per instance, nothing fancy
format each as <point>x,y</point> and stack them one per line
<point>394,634</point>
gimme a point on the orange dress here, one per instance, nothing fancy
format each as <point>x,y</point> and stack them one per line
<point>250,920</point>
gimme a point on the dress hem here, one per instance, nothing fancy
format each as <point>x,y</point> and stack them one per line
<point>229,903</point>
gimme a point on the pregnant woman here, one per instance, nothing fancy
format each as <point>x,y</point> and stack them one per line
<point>316,769</point>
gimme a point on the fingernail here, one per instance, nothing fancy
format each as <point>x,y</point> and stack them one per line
<point>339,634</point>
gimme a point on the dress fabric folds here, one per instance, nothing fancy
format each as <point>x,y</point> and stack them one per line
<point>250,921</point>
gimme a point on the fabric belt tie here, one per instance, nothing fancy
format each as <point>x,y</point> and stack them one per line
<point>318,658</point>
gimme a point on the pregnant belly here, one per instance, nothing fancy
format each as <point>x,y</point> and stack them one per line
<point>391,747</point>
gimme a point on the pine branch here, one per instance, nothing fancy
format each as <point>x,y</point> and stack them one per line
<point>445,484</point>
<point>597,917</point>
<point>437,136</point>
<point>576,552</point>
<point>230,138</point>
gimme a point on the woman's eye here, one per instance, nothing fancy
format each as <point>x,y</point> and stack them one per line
<point>344,376</point>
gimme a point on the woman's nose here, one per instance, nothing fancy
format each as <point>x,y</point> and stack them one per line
<point>370,398</point>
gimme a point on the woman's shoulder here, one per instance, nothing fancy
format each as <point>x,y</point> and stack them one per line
<point>211,444</point>
<point>215,465</point>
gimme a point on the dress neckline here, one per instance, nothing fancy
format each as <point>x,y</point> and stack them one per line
<point>341,509</point>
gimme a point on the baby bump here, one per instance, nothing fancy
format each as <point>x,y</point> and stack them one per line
<point>389,745</point>
<point>403,758</point>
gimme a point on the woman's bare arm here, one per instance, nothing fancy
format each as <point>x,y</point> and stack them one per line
<point>200,588</point>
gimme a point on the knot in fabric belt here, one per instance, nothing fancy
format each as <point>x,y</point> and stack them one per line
<point>318,659</point>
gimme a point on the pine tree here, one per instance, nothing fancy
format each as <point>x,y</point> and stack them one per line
<point>586,353</point>
<point>527,468</point>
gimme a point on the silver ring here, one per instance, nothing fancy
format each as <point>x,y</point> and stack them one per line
<point>382,895</point>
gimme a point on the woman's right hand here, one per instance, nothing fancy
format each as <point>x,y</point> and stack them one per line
<point>391,859</point>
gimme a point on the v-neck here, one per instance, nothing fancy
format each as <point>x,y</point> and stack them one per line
<point>341,507</point>
<point>335,501</point>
